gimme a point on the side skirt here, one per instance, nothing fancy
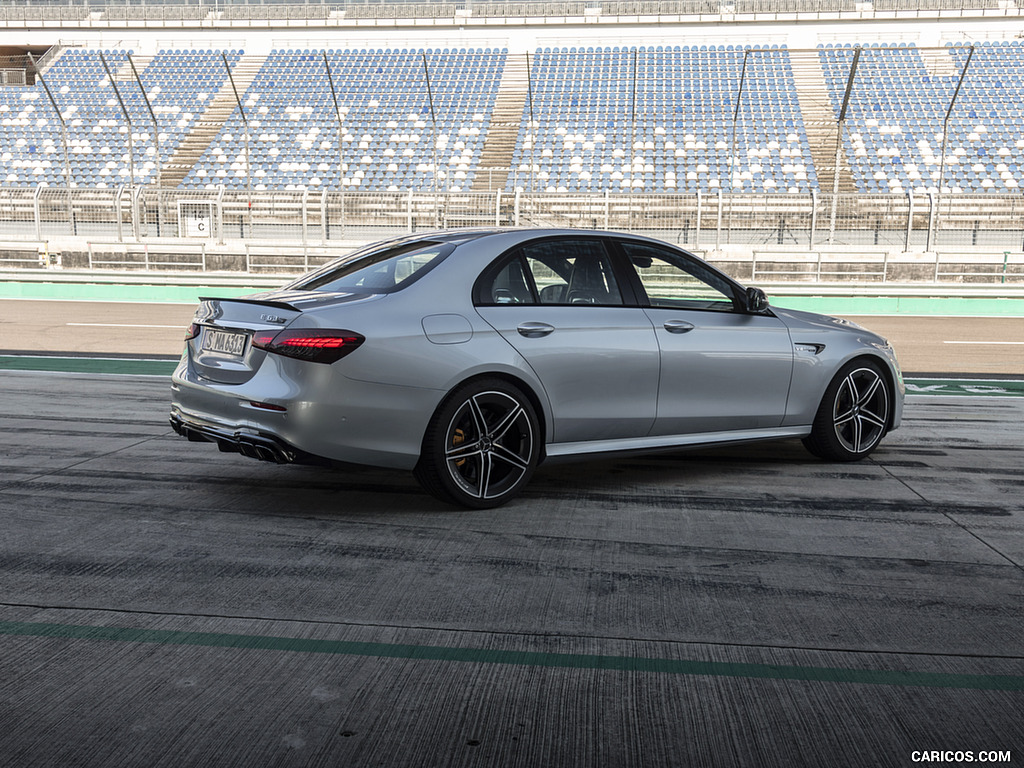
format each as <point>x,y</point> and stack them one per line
<point>567,451</point>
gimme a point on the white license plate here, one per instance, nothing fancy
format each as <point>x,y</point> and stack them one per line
<point>224,342</point>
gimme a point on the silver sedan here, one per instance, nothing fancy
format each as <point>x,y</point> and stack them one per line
<point>470,356</point>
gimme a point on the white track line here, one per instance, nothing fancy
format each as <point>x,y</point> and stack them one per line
<point>1018,343</point>
<point>122,325</point>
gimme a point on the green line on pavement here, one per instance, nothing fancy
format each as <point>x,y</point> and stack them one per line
<point>123,366</point>
<point>949,306</point>
<point>966,387</point>
<point>516,658</point>
<point>145,294</point>
<point>940,306</point>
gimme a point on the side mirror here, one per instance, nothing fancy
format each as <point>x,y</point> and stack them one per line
<point>757,302</point>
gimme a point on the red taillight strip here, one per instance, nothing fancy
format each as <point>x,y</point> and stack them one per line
<point>317,345</point>
<point>320,342</point>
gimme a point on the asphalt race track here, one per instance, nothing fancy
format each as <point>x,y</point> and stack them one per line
<point>163,604</point>
<point>951,345</point>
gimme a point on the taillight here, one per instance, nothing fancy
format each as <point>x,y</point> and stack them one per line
<point>316,345</point>
<point>192,332</point>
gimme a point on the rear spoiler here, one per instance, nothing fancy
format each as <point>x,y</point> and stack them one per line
<point>259,302</point>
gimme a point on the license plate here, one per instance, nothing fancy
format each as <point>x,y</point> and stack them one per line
<point>224,342</point>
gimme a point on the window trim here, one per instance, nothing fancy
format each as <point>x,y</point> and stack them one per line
<point>613,254</point>
<point>644,300</point>
<point>445,249</point>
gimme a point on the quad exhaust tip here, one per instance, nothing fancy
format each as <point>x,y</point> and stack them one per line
<point>253,446</point>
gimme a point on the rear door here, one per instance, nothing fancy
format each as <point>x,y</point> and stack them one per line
<point>560,304</point>
<point>722,368</point>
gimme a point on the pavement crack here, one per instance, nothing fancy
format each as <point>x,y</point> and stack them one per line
<point>945,513</point>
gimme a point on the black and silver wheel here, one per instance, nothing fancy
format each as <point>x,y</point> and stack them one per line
<point>853,415</point>
<point>481,446</point>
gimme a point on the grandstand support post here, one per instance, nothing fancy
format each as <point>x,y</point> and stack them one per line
<point>910,220</point>
<point>515,220</point>
<point>497,208</point>
<point>433,123</point>
<point>840,126</point>
<point>325,231</point>
<point>735,117</point>
<point>835,185</point>
<point>245,122</point>
<point>128,119</point>
<point>220,214</point>
<point>700,210</point>
<point>305,217</point>
<point>64,141</point>
<point>341,131</point>
<point>718,232</point>
<point>632,145</point>
<point>35,211</point>
<point>531,134</point>
<point>931,222</point>
<point>945,123</point>
<point>156,138</point>
<point>814,219</point>
<point>137,194</point>
<point>117,212</point>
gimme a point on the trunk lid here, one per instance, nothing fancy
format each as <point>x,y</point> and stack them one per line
<point>222,349</point>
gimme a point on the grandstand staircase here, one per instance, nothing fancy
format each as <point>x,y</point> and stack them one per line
<point>506,119</point>
<point>124,72</point>
<point>206,128</point>
<point>820,123</point>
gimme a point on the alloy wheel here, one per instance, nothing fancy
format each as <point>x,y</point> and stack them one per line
<point>489,444</point>
<point>860,412</point>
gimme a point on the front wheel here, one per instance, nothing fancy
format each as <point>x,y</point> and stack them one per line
<point>481,445</point>
<point>853,415</point>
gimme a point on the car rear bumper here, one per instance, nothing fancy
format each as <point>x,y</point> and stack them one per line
<point>254,444</point>
<point>298,412</point>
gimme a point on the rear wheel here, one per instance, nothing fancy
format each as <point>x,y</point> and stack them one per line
<point>853,415</point>
<point>481,445</point>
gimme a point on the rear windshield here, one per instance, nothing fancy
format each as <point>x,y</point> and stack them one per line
<point>386,270</point>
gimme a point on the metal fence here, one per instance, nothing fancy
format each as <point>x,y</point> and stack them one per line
<point>975,239</point>
<point>900,223</point>
<point>71,10</point>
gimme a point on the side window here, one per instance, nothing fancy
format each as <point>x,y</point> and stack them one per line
<point>672,281</point>
<point>509,285</point>
<point>572,272</point>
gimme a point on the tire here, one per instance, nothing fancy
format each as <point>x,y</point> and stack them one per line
<point>481,446</point>
<point>854,413</point>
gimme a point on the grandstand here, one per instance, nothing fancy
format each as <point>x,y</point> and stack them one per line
<point>674,135</point>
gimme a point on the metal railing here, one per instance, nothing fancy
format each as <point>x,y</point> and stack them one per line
<point>184,10</point>
<point>960,237</point>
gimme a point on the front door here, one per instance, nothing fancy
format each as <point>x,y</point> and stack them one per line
<point>722,368</point>
<point>559,304</point>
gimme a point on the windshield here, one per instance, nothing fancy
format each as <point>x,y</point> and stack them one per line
<point>385,271</point>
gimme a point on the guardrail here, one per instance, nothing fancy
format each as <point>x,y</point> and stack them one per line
<point>750,264</point>
<point>138,256</point>
<point>873,238</point>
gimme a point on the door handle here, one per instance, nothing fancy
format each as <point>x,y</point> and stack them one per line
<point>534,330</point>
<point>678,326</point>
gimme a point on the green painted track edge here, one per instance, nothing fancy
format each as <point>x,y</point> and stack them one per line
<point>515,658</point>
<point>947,306</point>
<point>121,366</point>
